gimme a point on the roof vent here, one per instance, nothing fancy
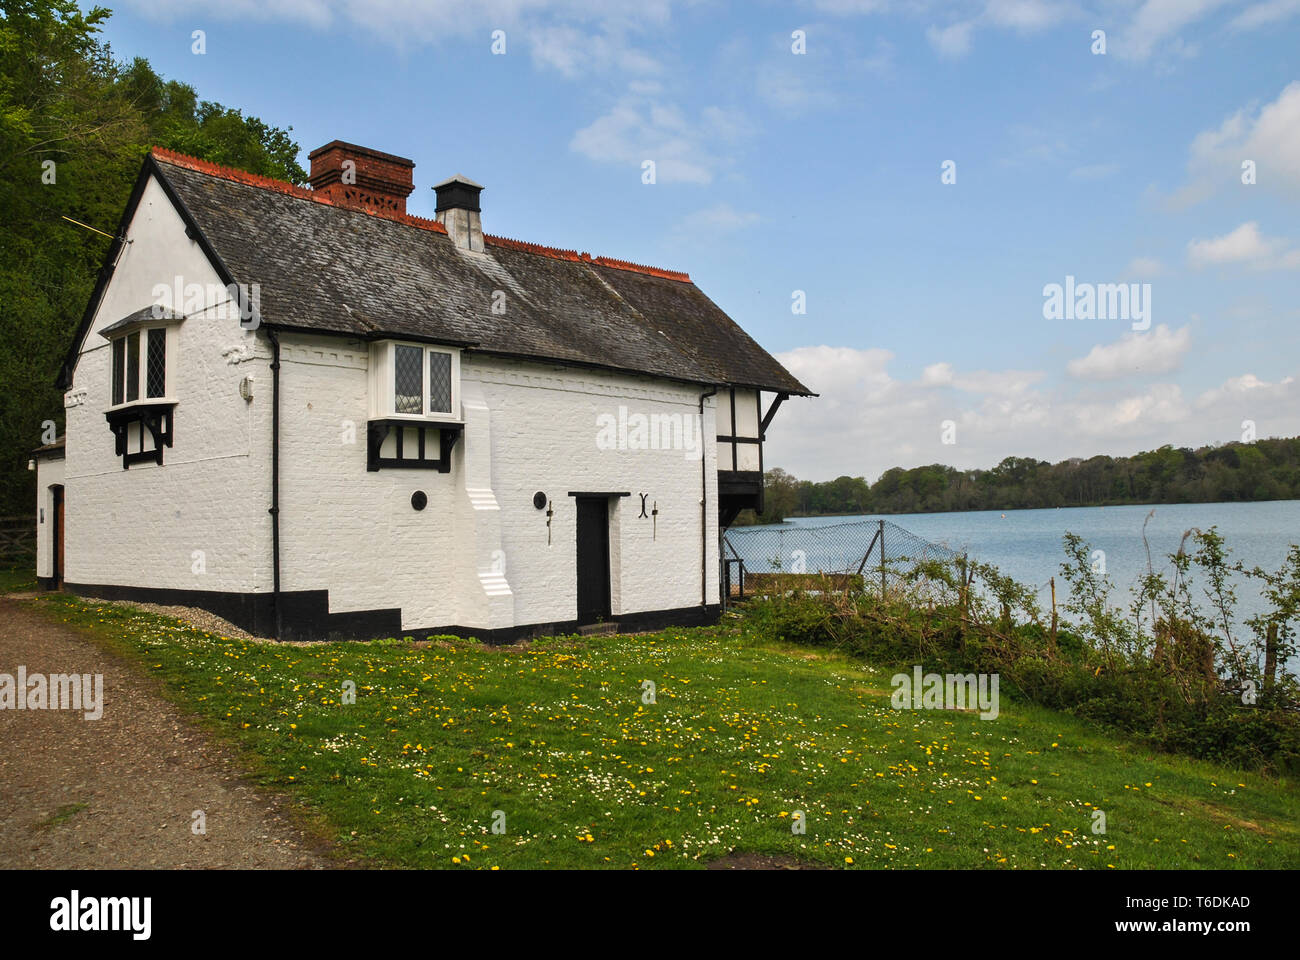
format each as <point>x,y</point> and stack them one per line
<point>355,176</point>
<point>458,211</point>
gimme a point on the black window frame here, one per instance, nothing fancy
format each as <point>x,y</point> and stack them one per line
<point>132,366</point>
<point>118,361</point>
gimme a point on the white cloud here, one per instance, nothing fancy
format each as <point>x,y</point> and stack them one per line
<point>1152,352</point>
<point>1026,16</point>
<point>1248,392</point>
<point>571,36</point>
<point>844,7</point>
<point>793,84</point>
<point>881,61</point>
<point>574,52</point>
<point>1039,143</point>
<point>1269,137</point>
<point>1160,405</point>
<point>640,128</point>
<point>1263,14</point>
<point>837,64</point>
<point>1157,21</point>
<point>1243,245</point>
<point>952,41</point>
<point>1144,268</point>
<point>999,383</point>
<point>937,375</point>
<point>1095,171</point>
<point>866,421</point>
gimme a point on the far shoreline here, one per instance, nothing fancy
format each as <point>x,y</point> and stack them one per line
<point>1086,506</point>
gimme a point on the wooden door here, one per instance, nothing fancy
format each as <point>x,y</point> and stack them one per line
<point>593,559</point>
<point>57,532</point>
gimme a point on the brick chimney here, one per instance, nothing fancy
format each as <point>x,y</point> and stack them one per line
<point>359,177</point>
<point>458,211</point>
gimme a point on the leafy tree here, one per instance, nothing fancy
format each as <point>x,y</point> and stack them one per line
<point>74,126</point>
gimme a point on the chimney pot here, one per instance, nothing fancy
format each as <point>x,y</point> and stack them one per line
<point>458,211</point>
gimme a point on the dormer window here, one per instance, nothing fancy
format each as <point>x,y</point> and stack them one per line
<point>140,413</point>
<point>414,405</point>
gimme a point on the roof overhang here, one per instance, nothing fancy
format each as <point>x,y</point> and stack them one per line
<point>51,451</point>
<point>144,317</point>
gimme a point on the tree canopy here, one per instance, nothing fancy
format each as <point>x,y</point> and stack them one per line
<point>1263,470</point>
<point>75,124</point>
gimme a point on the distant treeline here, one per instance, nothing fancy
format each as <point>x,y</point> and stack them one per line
<point>1263,470</point>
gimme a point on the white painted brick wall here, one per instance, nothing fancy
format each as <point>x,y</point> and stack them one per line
<point>356,534</point>
<point>139,527</point>
<point>49,473</point>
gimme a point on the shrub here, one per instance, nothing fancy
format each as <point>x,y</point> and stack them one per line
<point>1177,679</point>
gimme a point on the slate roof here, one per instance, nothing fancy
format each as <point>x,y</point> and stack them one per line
<point>334,269</point>
<point>141,316</point>
<point>51,451</point>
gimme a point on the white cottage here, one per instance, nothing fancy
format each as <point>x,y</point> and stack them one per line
<point>317,415</point>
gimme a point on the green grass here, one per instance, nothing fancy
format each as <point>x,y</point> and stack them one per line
<point>15,577</point>
<point>743,734</point>
<point>61,815</point>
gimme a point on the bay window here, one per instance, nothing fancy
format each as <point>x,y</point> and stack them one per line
<point>414,405</point>
<point>415,380</point>
<point>140,411</point>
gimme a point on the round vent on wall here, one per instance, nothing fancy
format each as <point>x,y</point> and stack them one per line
<point>419,500</point>
<point>539,500</point>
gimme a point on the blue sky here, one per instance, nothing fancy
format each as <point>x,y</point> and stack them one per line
<point>821,172</point>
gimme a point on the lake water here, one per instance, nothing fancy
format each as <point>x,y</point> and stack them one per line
<point>1026,544</point>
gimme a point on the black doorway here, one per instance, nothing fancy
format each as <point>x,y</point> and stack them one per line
<point>593,559</point>
<point>56,558</point>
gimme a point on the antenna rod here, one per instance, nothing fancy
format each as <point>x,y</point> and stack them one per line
<point>89,227</point>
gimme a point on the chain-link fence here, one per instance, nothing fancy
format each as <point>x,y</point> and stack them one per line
<point>856,555</point>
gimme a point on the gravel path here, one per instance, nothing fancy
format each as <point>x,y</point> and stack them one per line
<point>119,792</point>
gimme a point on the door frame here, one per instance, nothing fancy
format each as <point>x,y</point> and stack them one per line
<point>58,559</point>
<point>587,501</point>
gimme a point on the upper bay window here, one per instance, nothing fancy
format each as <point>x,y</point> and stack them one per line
<point>416,380</point>
<point>140,359</point>
<point>414,405</point>
<point>139,365</point>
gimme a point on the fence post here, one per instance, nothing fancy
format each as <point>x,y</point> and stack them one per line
<point>1053,612</point>
<point>1270,655</point>
<point>882,561</point>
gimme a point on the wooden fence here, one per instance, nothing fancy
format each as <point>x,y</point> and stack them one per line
<point>854,555</point>
<point>17,538</point>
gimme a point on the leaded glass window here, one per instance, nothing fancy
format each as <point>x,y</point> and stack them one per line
<point>439,382</point>
<point>408,380</point>
<point>156,364</point>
